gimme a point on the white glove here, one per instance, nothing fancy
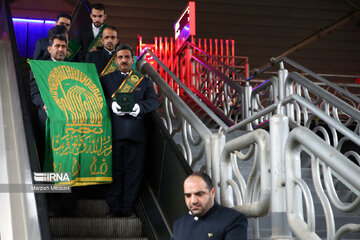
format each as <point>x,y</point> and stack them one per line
<point>136,110</point>
<point>116,109</point>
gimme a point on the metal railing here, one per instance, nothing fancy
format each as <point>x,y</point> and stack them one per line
<point>325,163</point>
<point>249,171</point>
<point>20,218</point>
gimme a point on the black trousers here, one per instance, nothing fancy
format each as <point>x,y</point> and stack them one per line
<point>128,158</point>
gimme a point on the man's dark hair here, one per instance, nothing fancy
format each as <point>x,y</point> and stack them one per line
<point>63,15</point>
<point>125,47</point>
<point>204,177</point>
<point>59,29</point>
<point>112,28</point>
<point>61,37</point>
<point>98,6</point>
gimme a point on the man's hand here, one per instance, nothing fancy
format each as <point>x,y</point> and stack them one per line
<point>136,110</point>
<point>93,49</point>
<point>45,108</point>
<point>116,109</point>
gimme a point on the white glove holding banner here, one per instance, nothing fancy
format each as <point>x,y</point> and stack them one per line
<point>116,109</point>
<point>136,110</point>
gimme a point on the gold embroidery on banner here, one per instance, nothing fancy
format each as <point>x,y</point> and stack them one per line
<point>129,84</point>
<point>81,102</point>
<point>76,95</point>
<point>93,167</point>
<point>75,167</point>
<point>76,144</point>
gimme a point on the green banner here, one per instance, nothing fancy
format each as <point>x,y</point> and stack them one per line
<point>111,66</point>
<point>97,40</point>
<point>72,50</point>
<point>78,127</point>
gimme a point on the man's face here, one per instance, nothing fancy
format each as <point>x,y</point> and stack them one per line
<point>98,17</point>
<point>109,39</point>
<point>64,22</point>
<point>198,198</point>
<point>124,60</point>
<point>58,50</point>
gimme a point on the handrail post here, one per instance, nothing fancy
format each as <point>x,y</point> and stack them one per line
<point>285,90</point>
<point>247,104</point>
<point>283,74</point>
<point>188,53</point>
<point>279,131</point>
<point>217,143</point>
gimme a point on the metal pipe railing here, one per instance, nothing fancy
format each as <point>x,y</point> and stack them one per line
<point>342,166</point>
<point>217,61</point>
<point>323,94</point>
<point>181,84</point>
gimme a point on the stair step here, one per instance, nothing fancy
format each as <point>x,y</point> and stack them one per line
<point>92,207</point>
<point>96,227</point>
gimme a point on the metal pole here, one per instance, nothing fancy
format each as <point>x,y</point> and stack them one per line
<point>188,53</point>
<point>320,34</point>
<point>217,142</point>
<point>247,104</point>
<point>279,131</point>
<point>283,74</point>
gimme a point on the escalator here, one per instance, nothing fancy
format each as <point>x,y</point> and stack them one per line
<point>165,170</point>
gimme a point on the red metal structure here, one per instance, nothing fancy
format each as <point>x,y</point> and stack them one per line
<point>188,64</point>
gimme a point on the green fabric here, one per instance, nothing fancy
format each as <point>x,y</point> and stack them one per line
<point>72,50</point>
<point>111,66</point>
<point>129,84</point>
<point>97,40</point>
<point>78,127</point>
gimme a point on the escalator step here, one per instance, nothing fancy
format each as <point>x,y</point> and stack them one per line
<point>92,208</point>
<point>96,227</point>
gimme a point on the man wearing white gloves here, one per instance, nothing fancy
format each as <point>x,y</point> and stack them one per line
<point>128,129</point>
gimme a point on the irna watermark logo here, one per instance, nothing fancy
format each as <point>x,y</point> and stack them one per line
<point>51,177</point>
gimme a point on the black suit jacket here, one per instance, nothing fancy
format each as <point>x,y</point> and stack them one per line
<point>221,222</point>
<point>37,100</point>
<point>100,58</point>
<point>128,127</point>
<point>41,51</point>
<point>85,37</point>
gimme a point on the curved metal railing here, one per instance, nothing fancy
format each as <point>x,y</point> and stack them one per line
<point>326,163</point>
<point>242,168</point>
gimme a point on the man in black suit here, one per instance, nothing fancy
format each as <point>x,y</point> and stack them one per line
<point>206,218</point>
<point>57,52</point>
<point>87,35</point>
<point>41,47</point>
<point>56,49</point>
<point>128,131</point>
<point>109,38</point>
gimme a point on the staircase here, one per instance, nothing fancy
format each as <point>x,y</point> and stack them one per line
<point>94,225</point>
<point>340,218</point>
<point>308,109</point>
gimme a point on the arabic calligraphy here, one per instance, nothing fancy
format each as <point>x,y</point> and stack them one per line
<point>76,95</point>
<point>75,144</point>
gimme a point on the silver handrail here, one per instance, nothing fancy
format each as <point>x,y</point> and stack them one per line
<point>323,94</point>
<point>321,79</point>
<point>321,152</point>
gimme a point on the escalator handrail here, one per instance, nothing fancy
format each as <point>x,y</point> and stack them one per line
<point>43,220</point>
